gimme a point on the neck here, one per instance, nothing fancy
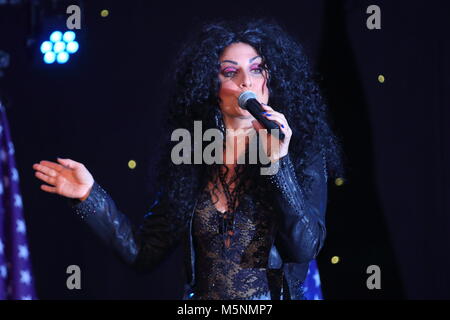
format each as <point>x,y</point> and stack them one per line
<point>236,123</point>
<point>238,128</point>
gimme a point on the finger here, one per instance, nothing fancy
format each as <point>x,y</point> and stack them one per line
<point>272,111</point>
<point>45,169</point>
<point>277,118</point>
<point>272,114</point>
<point>45,178</point>
<point>48,188</point>
<point>69,163</point>
<point>266,107</point>
<point>55,166</point>
<point>282,123</point>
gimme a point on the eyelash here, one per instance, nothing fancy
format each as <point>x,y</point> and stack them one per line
<point>225,73</point>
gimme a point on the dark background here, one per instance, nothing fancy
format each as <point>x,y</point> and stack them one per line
<point>103,109</point>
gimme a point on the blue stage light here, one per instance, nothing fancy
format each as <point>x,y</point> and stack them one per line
<point>49,57</point>
<point>56,36</point>
<point>46,46</point>
<point>72,47</point>
<point>62,57</point>
<point>69,36</point>
<point>59,47</point>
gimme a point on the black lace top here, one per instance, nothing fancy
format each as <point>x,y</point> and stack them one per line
<point>238,271</point>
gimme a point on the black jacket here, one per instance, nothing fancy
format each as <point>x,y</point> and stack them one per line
<point>300,236</point>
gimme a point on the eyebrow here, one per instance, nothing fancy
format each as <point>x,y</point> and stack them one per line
<point>234,62</point>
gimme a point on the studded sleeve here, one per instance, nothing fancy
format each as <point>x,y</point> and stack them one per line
<point>143,247</point>
<point>302,214</point>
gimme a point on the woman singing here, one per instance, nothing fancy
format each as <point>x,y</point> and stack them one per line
<point>246,235</point>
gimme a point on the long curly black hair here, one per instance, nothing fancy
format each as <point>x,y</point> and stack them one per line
<point>292,91</point>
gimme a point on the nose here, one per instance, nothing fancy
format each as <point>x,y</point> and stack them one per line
<point>246,81</point>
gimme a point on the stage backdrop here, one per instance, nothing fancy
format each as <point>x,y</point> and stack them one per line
<point>103,108</point>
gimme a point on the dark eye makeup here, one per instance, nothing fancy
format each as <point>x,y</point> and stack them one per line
<point>256,68</point>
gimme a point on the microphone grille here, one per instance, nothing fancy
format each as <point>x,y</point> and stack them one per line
<point>244,96</point>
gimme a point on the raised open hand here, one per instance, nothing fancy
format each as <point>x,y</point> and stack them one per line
<point>67,178</point>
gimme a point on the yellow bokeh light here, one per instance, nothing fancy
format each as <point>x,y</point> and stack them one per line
<point>381,78</point>
<point>339,181</point>
<point>131,164</point>
<point>335,260</point>
<point>104,13</point>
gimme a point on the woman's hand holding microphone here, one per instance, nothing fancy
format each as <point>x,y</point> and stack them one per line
<point>67,178</point>
<point>281,147</point>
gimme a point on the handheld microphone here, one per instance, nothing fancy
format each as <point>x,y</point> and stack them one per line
<point>247,100</point>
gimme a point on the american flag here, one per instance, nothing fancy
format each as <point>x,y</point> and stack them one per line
<point>312,287</point>
<point>16,281</point>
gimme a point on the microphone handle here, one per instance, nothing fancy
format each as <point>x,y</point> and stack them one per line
<point>256,110</point>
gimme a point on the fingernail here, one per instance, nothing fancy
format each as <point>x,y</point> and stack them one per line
<point>269,114</point>
<point>282,126</point>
